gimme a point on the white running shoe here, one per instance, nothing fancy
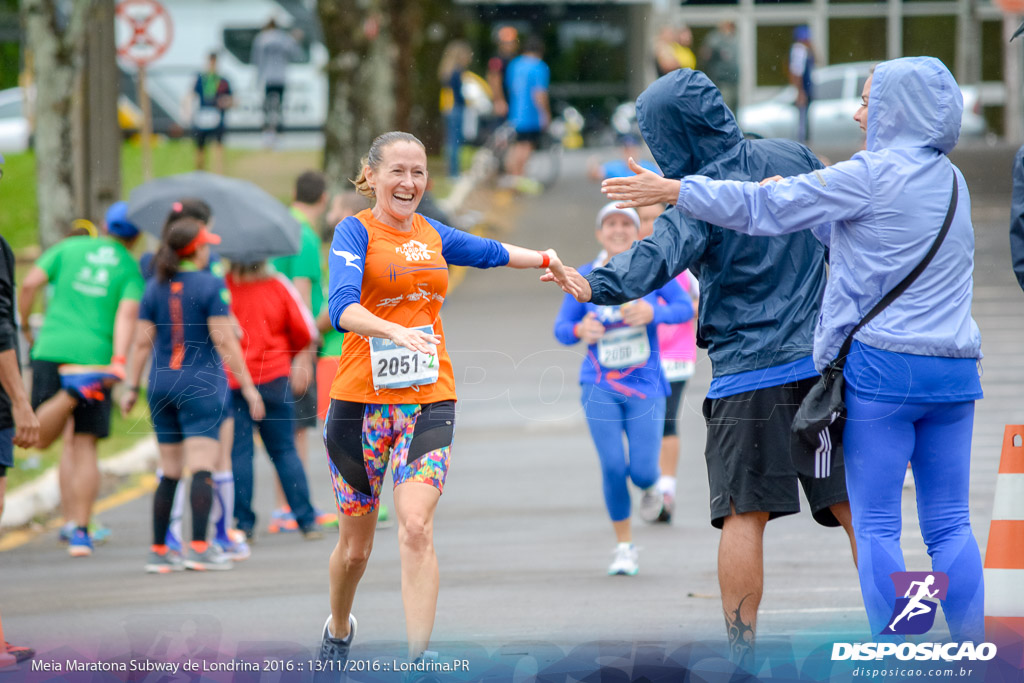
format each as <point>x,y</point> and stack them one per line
<point>651,503</point>
<point>625,562</point>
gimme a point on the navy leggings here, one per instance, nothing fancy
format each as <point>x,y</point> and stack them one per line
<point>609,414</point>
<point>935,438</point>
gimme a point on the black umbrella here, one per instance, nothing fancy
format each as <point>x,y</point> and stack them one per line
<point>252,224</point>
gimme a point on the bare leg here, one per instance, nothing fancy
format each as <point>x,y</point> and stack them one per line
<point>53,415</point>
<point>226,437</point>
<point>3,493</point>
<point>218,158</point>
<point>415,504</point>
<point>623,531</point>
<point>65,468</point>
<point>842,513</point>
<point>348,562</point>
<point>201,158</point>
<point>741,578</point>
<point>669,459</point>
<point>84,479</point>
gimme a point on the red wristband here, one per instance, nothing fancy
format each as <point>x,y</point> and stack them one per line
<point>545,259</point>
<point>118,360</point>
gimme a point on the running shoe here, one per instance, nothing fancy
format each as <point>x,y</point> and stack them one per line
<point>87,383</point>
<point>650,504</point>
<point>335,650</point>
<point>312,533</point>
<point>235,550</point>
<point>19,652</point>
<point>282,519</point>
<point>164,561</point>
<point>80,545</point>
<point>209,558</point>
<point>668,506</point>
<point>625,562</point>
<point>99,533</point>
<point>326,518</point>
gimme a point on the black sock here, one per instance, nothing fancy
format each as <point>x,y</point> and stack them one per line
<point>202,501</point>
<point>163,501</point>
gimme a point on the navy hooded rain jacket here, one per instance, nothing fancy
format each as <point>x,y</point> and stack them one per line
<point>760,296</point>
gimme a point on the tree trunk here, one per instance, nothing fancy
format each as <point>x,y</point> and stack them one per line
<point>360,83</point>
<point>407,29</point>
<point>57,43</point>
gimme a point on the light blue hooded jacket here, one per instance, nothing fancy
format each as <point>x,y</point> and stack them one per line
<point>879,213</point>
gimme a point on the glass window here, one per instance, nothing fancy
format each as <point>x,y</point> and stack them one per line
<point>829,89</point>
<point>10,110</point>
<point>931,36</point>
<point>238,41</point>
<point>856,40</point>
<point>773,43</point>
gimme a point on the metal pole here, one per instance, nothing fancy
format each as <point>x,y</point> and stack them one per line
<point>1011,78</point>
<point>146,139</point>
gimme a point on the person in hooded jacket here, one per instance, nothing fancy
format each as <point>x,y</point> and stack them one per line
<point>912,373</point>
<point>760,299</point>
<point>1017,218</point>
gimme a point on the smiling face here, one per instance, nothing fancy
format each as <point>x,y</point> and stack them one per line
<point>861,115</point>
<point>398,183</point>
<point>617,234</point>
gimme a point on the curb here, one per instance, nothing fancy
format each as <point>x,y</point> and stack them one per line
<point>41,496</point>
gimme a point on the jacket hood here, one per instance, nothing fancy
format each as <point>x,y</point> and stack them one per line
<point>914,102</point>
<point>685,122</point>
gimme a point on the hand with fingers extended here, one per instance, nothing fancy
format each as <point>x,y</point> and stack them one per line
<point>571,282</point>
<point>414,340</point>
<point>590,330</point>
<point>646,188</point>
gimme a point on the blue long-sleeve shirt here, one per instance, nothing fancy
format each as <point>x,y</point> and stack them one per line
<point>642,380</point>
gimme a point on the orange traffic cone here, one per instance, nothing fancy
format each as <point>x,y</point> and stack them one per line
<point>1004,557</point>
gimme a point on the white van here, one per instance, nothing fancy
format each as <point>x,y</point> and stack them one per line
<point>228,28</point>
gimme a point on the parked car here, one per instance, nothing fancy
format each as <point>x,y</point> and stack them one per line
<point>15,133</point>
<point>837,90</point>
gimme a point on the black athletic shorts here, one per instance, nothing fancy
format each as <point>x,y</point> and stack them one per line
<point>534,137</point>
<point>90,418</point>
<point>750,451</point>
<point>672,407</point>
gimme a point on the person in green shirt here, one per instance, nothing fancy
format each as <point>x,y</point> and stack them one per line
<point>304,271</point>
<point>80,351</point>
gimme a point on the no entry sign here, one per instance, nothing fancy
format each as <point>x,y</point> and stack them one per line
<point>143,30</point>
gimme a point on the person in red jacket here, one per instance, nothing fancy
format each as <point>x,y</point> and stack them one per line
<point>275,327</point>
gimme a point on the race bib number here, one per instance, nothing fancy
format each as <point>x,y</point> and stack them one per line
<point>207,118</point>
<point>396,367</point>
<point>624,347</point>
<point>677,370</point>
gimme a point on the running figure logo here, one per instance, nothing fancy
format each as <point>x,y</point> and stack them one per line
<point>914,613</point>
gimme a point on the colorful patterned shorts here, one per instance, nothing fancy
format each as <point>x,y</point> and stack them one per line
<point>362,439</point>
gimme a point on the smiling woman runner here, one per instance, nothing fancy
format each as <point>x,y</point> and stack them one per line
<point>393,398</point>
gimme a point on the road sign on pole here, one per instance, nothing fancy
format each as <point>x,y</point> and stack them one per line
<point>144,31</point>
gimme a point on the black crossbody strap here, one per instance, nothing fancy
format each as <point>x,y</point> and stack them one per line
<point>908,280</point>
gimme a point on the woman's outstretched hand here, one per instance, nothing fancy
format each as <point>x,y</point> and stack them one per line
<point>643,189</point>
<point>569,279</point>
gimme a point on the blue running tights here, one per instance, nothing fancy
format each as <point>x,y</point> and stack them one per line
<point>935,438</point>
<point>609,414</point>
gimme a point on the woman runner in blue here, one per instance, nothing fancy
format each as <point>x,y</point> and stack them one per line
<point>624,387</point>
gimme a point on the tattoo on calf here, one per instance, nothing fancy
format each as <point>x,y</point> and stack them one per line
<point>741,636</point>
